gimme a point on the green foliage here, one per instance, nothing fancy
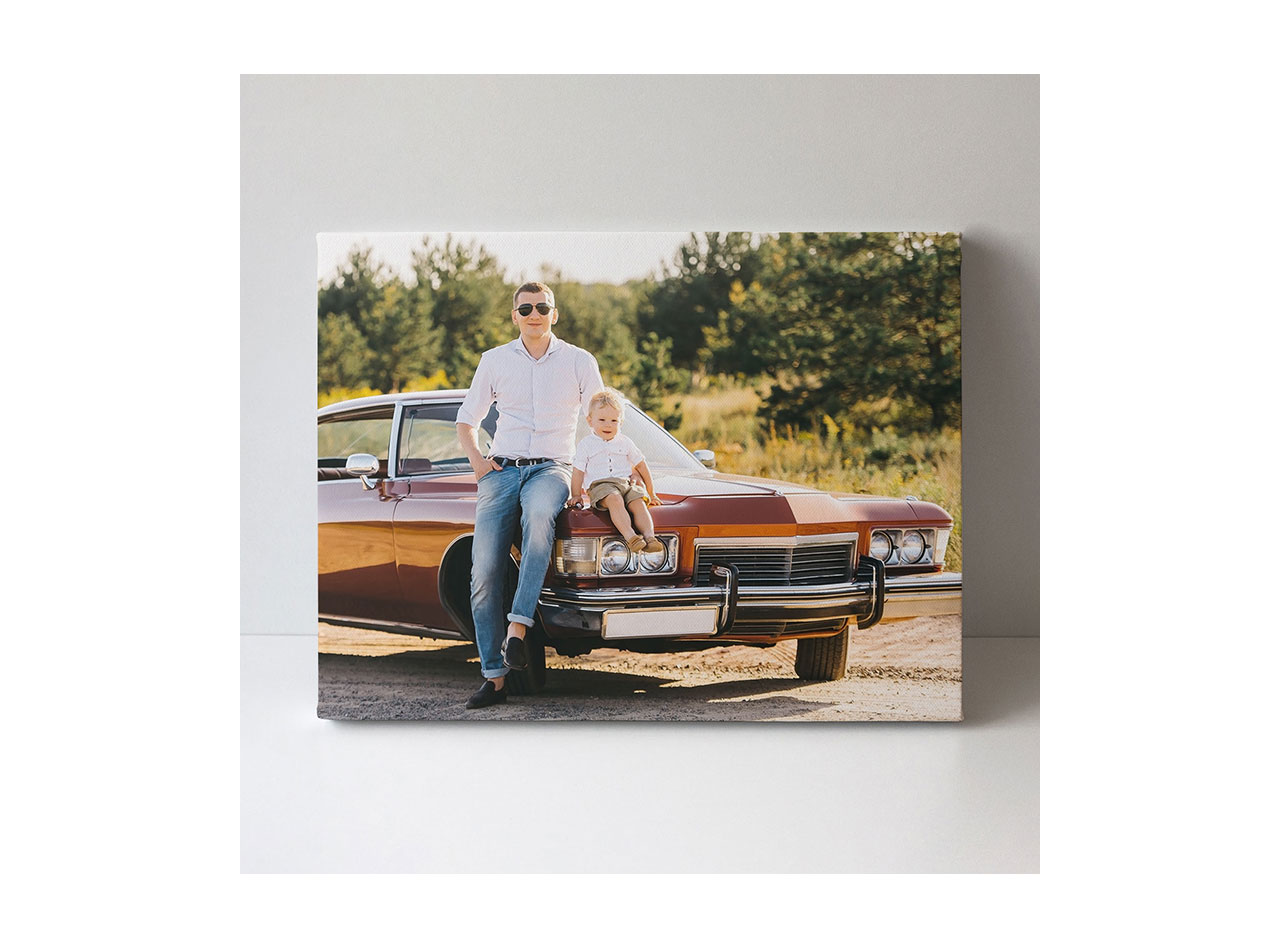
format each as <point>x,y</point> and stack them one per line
<point>655,377</point>
<point>461,286</point>
<point>875,461</point>
<point>869,320</point>
<point>852,330</point>
<point>343,352</point>
<point>373,331</point>
<point>601,318</point>
<point>694,303</point>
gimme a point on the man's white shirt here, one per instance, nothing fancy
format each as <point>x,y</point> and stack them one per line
<point>539,400</point>
<point>599,458</point>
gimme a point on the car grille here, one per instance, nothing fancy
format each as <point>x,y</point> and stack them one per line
<point>809,564</point>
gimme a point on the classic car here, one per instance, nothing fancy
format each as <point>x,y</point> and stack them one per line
<point>747,561</point>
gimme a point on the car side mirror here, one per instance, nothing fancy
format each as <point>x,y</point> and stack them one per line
<point>362,465</point>
<point>708,458</point>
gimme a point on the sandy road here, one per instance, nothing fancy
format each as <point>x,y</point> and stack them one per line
<point>897,671</point>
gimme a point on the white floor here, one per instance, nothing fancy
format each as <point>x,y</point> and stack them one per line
<point>326,796</point>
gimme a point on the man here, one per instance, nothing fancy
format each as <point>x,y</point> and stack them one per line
<point>541,385</point>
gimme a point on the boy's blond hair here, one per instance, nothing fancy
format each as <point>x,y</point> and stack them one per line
<point>608,396</point>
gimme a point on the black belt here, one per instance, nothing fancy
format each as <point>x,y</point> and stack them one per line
<point>520,462</point>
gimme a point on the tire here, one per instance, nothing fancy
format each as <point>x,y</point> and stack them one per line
<point>823,659</point>
<point>534,678</point>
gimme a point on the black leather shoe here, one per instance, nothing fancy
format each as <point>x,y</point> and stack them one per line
<point>487,695</point>
<point>514,655</point>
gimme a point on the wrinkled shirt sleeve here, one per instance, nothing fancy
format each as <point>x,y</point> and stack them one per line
<point>580,455</point>
<point>480,396</point>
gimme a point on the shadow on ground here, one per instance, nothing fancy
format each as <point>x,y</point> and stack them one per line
<point>434,685</point>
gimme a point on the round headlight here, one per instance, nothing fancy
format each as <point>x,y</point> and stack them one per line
<point>614,557</point>
<point>652,562</point>
<point>912,546</point>
<point>881,545</point>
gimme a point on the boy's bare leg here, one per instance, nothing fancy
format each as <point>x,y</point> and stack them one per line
<point>644,522</point>
<point>618,514</point>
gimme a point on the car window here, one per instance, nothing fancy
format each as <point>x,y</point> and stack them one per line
<point>429,439</point>
<point>367,432</point>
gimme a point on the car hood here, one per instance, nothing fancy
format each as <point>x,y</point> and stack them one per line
<point>735,504</point>
<point>726,503</point>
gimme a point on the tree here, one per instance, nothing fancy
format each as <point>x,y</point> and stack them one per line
<point>859,318</point>
<point>343,306</point>
<point>372,331</point>
<point>461,286</point>
<point>402,340</point>
<point>655,378</point>
<point>343,357</point>
<point>601,318</point>
<point>697,289</point>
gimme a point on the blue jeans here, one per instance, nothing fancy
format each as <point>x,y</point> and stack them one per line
<point>532,497</point>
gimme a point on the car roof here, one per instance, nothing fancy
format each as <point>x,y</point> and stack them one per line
<point>392,398</point>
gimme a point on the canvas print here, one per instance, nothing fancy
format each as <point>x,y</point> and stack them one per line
<point>639,476</point>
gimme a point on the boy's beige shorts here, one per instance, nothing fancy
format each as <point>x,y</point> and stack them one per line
<point>602,488</point>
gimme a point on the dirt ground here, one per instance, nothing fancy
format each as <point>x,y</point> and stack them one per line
<point>898,671</point>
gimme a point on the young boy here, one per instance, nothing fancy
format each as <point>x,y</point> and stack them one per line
<point>603,464</point>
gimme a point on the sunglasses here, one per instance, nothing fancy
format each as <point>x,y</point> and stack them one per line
<point>524,309</point>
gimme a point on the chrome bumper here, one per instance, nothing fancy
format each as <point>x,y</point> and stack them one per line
<point>931,594</point>
<point>584,609</point>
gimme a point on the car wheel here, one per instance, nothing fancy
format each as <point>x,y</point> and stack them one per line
<point>823,659</point>
<point>532,679</point>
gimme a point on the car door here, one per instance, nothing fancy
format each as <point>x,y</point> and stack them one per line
<point>357,575</point>
<point>439,509</point>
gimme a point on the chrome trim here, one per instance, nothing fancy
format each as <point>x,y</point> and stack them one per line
<point>929,594</point>
<point>930,534</point>
<point>367,401</point>
<point>402,628</point>
<point>633,564</point>
<point>622,596</point>
<point>631,567</point>
<point>767,596</point>
<point>704,545</point>
<point>577,612</point>
<point>710,595</point>
<point>363,465</point>
<point>725,611</point>
<point>777,542</point>
<point>393,453</point>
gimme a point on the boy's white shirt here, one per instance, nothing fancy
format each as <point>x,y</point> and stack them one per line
<point>598,458</point>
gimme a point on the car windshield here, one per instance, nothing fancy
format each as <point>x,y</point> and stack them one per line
<point>661,451</point>
<point>429,441</point>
